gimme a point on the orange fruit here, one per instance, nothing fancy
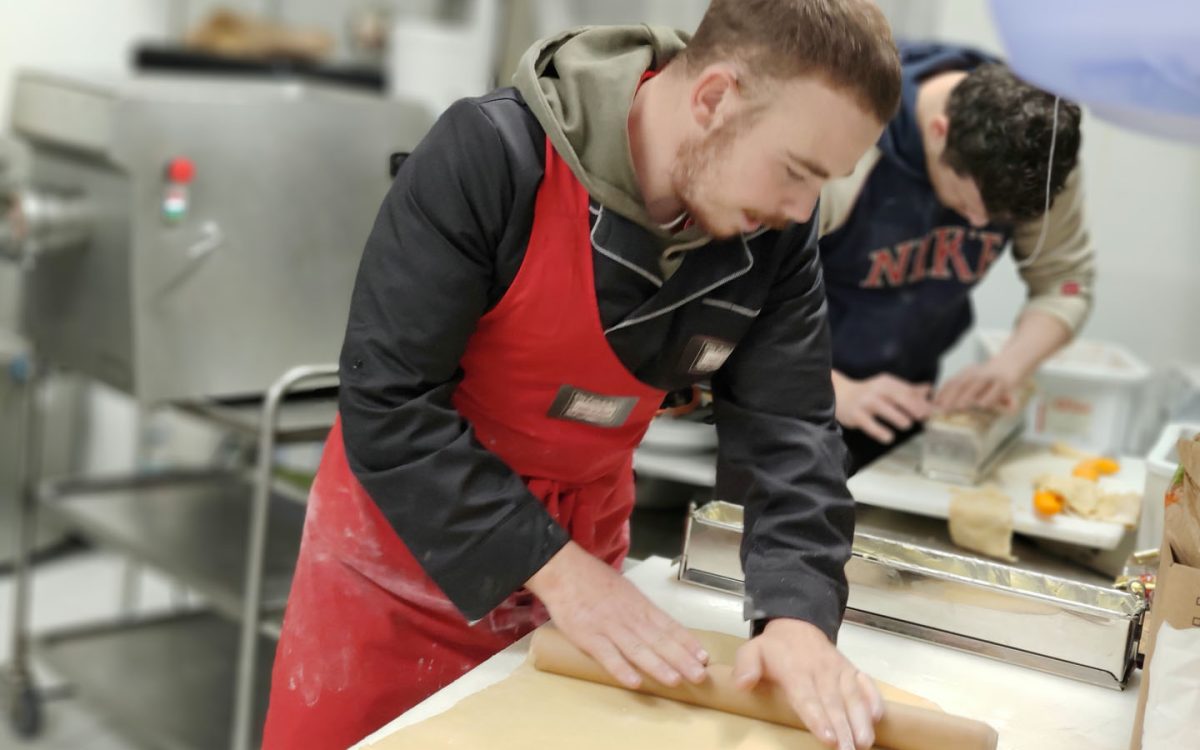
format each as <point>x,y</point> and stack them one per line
<point>1047,503</point>
<point>1086,470</point>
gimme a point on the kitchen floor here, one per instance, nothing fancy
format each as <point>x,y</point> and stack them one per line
<point>73,586</point>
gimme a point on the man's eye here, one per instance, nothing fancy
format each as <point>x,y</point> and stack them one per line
<point>793,174</point>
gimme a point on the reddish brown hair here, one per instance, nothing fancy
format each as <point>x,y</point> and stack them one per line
<point>847,42</point>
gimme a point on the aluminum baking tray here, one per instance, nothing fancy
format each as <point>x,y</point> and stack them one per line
<point>1074,629</point>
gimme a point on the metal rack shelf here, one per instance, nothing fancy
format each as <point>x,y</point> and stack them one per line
<point>303,417</point>
<point>174,673</point>
<point>191,526</point>
<point>233,536</point>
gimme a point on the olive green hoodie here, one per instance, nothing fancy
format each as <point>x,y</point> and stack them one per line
<point>580,85</point>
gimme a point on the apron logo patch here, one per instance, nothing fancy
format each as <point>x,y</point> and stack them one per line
<point>578,405</point>
<point>704,355</point>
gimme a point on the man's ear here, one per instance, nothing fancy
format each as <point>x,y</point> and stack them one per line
<point>715,94</point>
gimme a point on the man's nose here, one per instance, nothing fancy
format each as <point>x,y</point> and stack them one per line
<point>799,207</point>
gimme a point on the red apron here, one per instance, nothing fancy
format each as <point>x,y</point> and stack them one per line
<point>367,634</point>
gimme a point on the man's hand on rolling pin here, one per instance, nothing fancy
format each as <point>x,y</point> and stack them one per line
<point>605,615</point>
<point>837,703</point>
<point>987,386</point>
<point>877,404</point>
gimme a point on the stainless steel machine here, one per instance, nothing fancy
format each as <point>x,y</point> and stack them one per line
<point>187,237</point>
<point>193,242</point>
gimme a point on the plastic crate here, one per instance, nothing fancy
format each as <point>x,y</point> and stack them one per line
<point>1087,395</point>
<point>1161,464</point>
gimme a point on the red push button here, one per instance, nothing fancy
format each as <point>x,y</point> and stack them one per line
<point>180,170</point>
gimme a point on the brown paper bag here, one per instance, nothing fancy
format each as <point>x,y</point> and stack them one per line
<point>1177,589</point>
<point>1181,518</point>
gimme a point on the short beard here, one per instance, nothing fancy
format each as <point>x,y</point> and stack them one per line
<point>696,164</point>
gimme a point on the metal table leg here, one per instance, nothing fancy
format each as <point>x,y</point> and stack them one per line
<point>25,709</point>
<point>243,710</point>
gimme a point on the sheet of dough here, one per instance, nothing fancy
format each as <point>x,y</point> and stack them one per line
<point>981,520</point>
<point>532,709</point>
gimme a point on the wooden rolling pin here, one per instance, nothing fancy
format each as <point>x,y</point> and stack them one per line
<point>902,727</point>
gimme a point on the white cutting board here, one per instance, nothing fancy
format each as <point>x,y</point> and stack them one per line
<point>894,482</point>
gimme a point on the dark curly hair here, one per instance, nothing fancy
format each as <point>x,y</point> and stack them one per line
<point>999,136</point>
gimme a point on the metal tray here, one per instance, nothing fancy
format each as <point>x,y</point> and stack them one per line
<point>1064,627</point>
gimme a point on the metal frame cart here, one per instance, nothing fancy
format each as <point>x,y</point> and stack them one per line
<point>196,677</point>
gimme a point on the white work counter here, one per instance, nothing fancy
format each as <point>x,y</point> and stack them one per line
<point>893,481</point>
<point>1031,710</point>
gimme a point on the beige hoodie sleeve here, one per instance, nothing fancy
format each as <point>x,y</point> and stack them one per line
<point>839,196</point>
<point>1061,277</point>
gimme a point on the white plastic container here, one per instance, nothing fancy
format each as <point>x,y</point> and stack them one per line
<point>1161,464</point>
<point>1087,394</point>
<point>1181,393</point>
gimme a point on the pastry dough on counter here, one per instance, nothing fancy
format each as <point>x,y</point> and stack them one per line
<point>981,520</point>
<point>1086,498</point>
<point>533,709</point>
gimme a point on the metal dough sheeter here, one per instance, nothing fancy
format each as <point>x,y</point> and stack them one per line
<point>1078,630</point>
<point>186,237</point>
